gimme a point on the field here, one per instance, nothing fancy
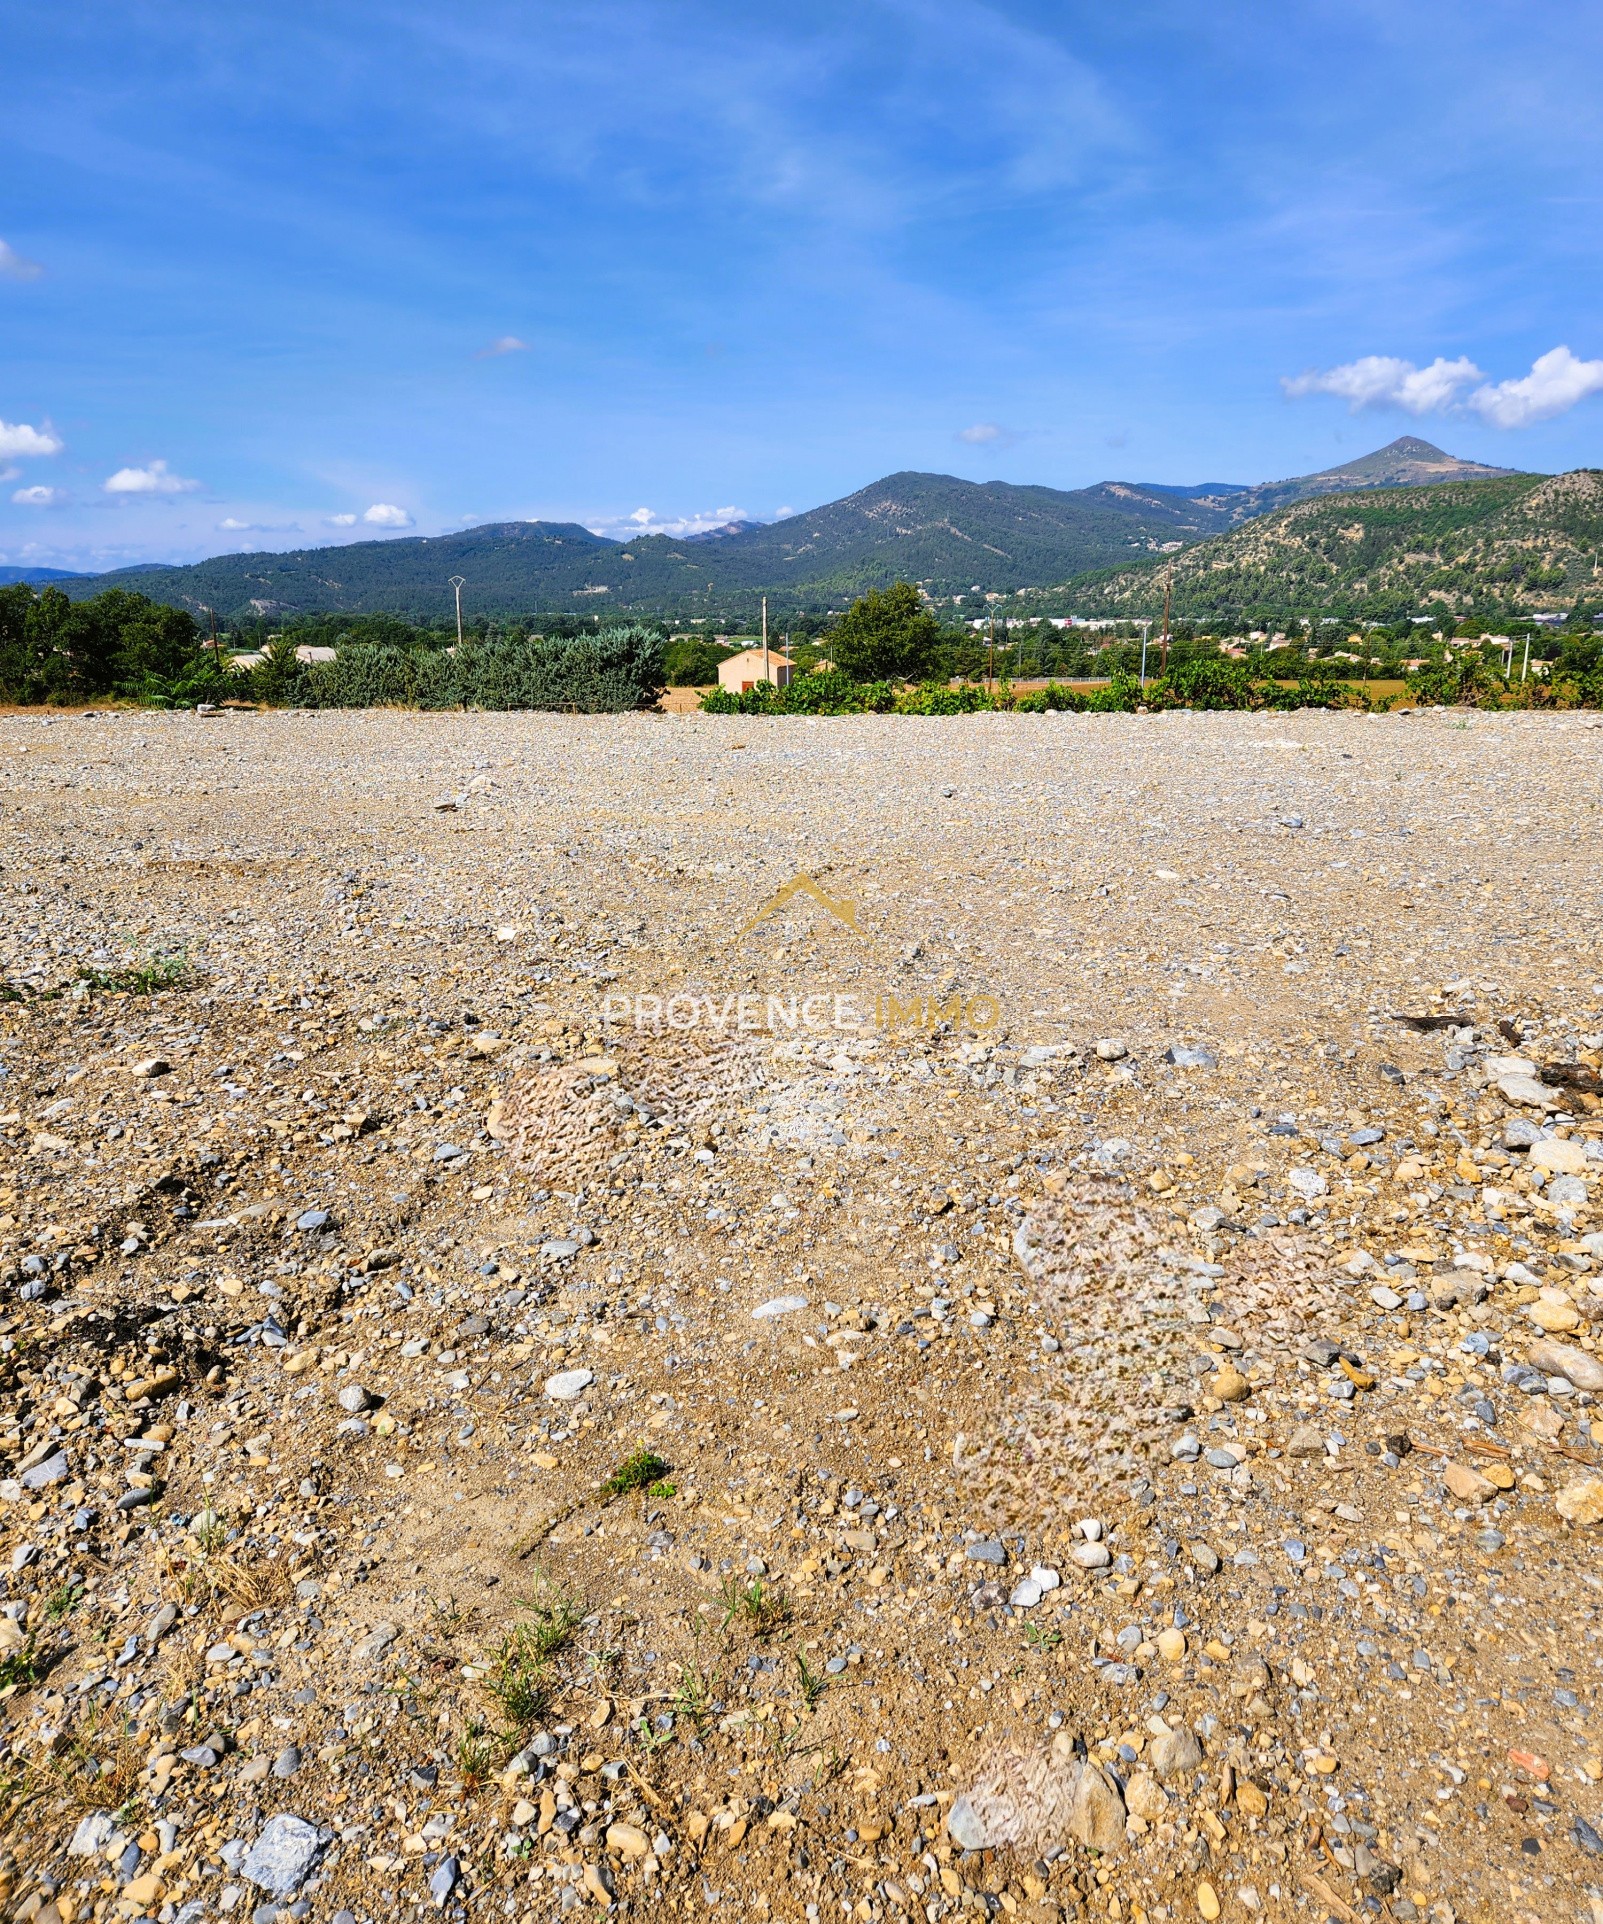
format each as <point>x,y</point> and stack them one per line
<point>1031,1390</point>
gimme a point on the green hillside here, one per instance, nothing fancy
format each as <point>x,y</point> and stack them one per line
<point>1517,542</point>
<point>952,536</point>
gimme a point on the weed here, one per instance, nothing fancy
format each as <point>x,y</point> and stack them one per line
<point>555,1618</point>
<point>1042,1639</point>
<point>519,1680</point>
<point>663,1489</point>
<point>63,1601</point>
<point>23,1667</point>
<point>450,1617</point>
<point>480,1754</point>
<point>762,1611</point>
<point>693,1699</point>
<point>813,1683</point>
<point>638,1471</point>
<point>140,978</point>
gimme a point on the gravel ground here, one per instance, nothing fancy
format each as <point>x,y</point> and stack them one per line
<point>1125,1451</point>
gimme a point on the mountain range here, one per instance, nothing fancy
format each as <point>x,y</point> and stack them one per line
<point>954,537</point>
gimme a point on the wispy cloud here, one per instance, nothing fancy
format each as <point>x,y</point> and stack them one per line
<point>17,438</point>
<point>158,478</point>
<point>17,267</point>
<point>648,521</point>
<point>507,344</point>
<point>988,434</point>
<point>385,514</point>
<point>231,524</point>
<point>40,497</point>
<point>1382,381</point>
<point>342,520</point>
<point>1557,380</point>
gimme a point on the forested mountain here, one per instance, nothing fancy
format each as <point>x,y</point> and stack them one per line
<point>954,537</point>
<point>1519,542</point>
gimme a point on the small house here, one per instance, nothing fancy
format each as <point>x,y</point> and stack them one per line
<point>739,672</point>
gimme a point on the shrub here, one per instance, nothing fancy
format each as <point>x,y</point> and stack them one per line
<point>1067,701</point>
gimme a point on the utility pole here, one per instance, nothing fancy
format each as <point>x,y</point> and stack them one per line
<point>217,653</point>
<point>1168,583</point>
<point>766,674</point>
<point>459,582</point>
<point>990,674</point>
<point>1146,629</point>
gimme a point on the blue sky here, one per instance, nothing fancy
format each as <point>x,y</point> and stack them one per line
<point>275,276</point>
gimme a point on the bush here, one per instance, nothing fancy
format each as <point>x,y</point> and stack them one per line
<point>610,673</point>
<point>940,698</point>
<point>1467,681</point>
<point>1067,701</point>
<point>831,693</point>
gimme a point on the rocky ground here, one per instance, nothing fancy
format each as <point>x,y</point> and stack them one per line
<point>1134,1459</point>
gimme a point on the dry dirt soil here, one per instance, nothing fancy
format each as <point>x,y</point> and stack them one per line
<point>1099,1418</point>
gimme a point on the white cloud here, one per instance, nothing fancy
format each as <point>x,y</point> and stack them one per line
<point>981,432</point>
<point>39,497</point>
<point>231,524</point>
<point>647,521</point>
<point>1383,381</point>
<point>18,439</point>
<point>158,478</point>
<point>385,514</point>
<point>1557,380</point>
<point>15,267</point>
<point>507,344</point>
<point>342,520</point>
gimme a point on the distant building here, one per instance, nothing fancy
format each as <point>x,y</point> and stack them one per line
<point>305,652</point>
<point>739,672</point>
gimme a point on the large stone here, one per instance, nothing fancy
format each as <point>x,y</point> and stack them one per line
<point>1554,1312</point>
<point>567,1384</point>
<point>1468,1485</point>
<point>1559,1156</point>
<point>1175,1753</point>
<point>1230,1386</point>
<point>1563,1359</point>
<point>40,1476</point>
<point>1457,1288</point>
<point>1525,1089</point>
<point>1582,1501</point>
<point>1097,1816</point>
<point>377,1642</point>
<point>93,1834</point>
<point>969,1830</point>
<point>778,1306</point>
<point>1146,1798</point>
<point>284,1855</point>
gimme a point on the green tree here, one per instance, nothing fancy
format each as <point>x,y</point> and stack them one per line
<point>887,635</point>
<point>691,662</point>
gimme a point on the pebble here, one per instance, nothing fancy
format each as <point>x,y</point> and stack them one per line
<point>568,1384</point>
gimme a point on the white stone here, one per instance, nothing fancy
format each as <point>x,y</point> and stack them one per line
<point>778,1306</point>
<point>567,1384</point>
